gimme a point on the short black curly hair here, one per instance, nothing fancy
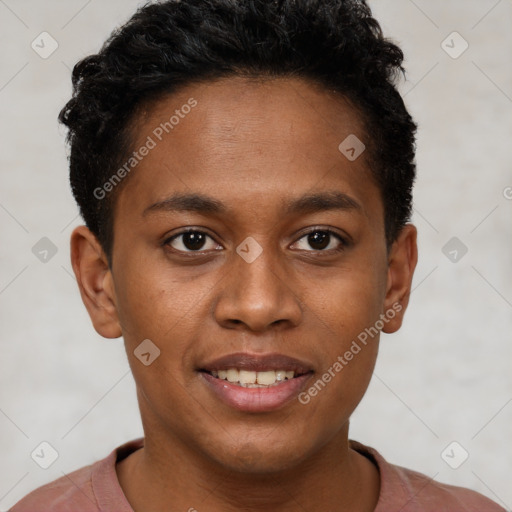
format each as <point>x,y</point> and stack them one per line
<point>167,45</point>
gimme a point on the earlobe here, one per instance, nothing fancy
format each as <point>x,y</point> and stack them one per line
<point>402,261</point>
<point>95,282</point>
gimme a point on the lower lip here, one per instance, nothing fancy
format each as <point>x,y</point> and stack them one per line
<point>256,399</point>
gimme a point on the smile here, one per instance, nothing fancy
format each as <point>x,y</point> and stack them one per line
<point>252,379</point>
<point>255,382</point>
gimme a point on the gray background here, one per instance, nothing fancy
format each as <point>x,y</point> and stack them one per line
<point>444,377</point>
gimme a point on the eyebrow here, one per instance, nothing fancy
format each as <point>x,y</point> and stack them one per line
<point>309,203</point>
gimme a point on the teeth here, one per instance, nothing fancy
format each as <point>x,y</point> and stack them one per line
<point>246,377</point>
<point>232,375</point>
<point>267,378</point>
<point>281,375</point>
<point>251,379</point>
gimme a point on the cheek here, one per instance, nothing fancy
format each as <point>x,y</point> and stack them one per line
<point>348,312</point>
<point>349,349</point>
<point>150,303</point>
<point>154,306</point>
<point>352,300</point>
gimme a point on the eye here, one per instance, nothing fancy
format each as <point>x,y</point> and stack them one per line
<point>323,240</point>
<point>191,241</point>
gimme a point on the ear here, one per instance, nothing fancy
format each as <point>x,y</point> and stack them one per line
<point>402,260</point>
<point>95,281</point>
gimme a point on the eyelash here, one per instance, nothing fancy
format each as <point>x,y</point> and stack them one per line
<point>344,242</point>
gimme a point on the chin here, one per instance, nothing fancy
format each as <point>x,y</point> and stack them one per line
<point>259,458</point>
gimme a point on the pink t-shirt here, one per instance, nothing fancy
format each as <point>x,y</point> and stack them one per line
<point>95,488</point>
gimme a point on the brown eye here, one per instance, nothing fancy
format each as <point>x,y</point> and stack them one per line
<point>190,241</point>
<point>321,240</point>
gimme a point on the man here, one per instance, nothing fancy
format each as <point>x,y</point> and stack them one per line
<point>244,170</point>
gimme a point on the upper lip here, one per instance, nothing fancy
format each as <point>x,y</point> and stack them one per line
<point>257,363</point>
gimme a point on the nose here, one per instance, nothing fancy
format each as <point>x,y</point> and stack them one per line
<point>257,296</point>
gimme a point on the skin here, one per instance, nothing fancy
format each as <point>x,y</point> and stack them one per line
<point>252,145</point>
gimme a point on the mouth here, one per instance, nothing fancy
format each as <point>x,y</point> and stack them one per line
<point>256,383</point>
<point>252,379</point>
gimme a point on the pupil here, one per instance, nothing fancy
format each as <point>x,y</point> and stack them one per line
<point>320,238</point>
<point>193,240</point>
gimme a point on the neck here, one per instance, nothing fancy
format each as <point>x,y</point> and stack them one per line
<point>166,472</point>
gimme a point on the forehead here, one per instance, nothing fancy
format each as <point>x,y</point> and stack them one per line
<point>236,109</point>
<point>244,139</point>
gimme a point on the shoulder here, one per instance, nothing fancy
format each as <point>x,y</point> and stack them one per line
<point>93,488</point>
<point>72,492</point>
<point>424,493</point>
<point>406,490</point>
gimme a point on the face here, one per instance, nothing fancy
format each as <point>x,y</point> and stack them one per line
<point>248,247</point>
